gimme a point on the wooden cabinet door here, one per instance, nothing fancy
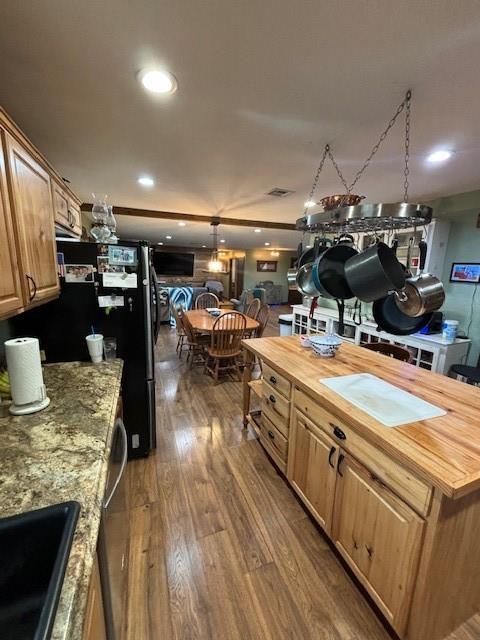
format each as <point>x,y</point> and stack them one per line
<point>75,217</point>
<point>60,205</point>
<point>379,536</point>
<point>11,298</point>
<point>312,471</point>
<point>33,212</point>
<point>94,622</point>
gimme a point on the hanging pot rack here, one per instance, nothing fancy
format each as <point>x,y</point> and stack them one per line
<point>367,217</point>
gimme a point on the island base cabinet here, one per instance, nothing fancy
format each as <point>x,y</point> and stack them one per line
<point>379,536</point>
<point>312,472</point>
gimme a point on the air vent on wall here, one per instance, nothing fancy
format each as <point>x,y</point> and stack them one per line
<point>278,192</point>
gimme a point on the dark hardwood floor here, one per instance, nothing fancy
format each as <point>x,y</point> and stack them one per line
<point>219,546</point>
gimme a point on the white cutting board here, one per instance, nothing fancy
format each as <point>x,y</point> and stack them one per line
<point>383,401</point>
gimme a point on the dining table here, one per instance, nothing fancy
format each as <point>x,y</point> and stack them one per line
<point>202,321</point>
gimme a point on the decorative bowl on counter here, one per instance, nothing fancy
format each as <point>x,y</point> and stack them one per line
<point>325,346</point>
<point>346,200</point>
<point>305,342</point>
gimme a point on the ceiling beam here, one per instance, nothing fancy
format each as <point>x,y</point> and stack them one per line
<point>191,217</point>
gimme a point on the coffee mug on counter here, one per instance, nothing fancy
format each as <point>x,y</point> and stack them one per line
<point>95,346</point>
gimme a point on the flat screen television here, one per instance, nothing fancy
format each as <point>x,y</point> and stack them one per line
<point>173,264</point>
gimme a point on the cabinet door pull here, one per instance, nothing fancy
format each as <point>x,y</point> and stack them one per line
<point>30,279</point>
<point>341,458</point>
<point>272,398</point>
<point>330,456</point>
<point>271,435</point>
<point>273,380</point>
<point>337,432</point>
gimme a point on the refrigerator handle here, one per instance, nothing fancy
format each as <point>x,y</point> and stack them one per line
<point>147,294</point>
<point>153,277</point>
<point>118,425</point>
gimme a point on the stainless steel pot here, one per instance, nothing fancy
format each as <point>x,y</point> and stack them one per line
<point>304,279</point>
<point>292,279</point>
<point>372,274</point>
<point>421,294</point>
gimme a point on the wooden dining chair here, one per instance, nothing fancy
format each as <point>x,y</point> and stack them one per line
<point>177,313</point>
<point>253,308</point>
<point>225,347</point>
<point>196,343</point>
<point>262,319</point>
<point>207,301</point>
<point>391,350</point>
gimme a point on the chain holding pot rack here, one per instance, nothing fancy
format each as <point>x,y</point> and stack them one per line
<point>367,217</point>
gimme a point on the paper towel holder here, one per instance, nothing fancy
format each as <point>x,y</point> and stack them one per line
<point>34,398</point>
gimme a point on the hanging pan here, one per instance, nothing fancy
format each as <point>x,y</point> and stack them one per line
<point>372,274</point>
<point>329,272</point>
<point>389,318</point>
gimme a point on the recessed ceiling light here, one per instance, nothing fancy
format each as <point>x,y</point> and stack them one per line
<point>204,246</point>
<point>146,181</point>
<point>222,241</point>
<point>168,237</point>
<point>267,244</point>
<point>158,81</point>
<point>182,224</point>
<point>257,231</point>
<point>159,242</point>
<point>440,156</point>
<point>310,203</point>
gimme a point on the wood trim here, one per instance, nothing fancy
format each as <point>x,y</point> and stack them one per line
<point>193,217</point>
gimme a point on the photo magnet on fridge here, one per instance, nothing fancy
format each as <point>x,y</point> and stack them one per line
<point>126,256</point>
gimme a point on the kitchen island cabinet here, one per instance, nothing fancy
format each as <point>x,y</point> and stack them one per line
<point>401,505</point>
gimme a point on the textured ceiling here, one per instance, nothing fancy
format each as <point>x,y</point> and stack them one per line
<point>262,87</point>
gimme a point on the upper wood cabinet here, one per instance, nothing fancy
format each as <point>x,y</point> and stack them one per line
<point>380,537</point>
<point>33,199</point>
<point>32,203</point>
<point>11,298</point>
<point>313,472</point>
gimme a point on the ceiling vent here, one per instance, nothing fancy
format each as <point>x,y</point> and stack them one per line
<point>278,192</point>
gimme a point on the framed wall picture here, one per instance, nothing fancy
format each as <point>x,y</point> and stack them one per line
<point>266,266</point>
<point>468,272</point>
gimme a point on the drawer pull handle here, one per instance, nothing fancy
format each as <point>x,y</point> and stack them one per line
<point>271,435</point>
<point>337,432</point>
<point>34,284</point>
<point>273,380</point>
<point>272,398</point>
<point>341,458</point>
<point>330,456</point>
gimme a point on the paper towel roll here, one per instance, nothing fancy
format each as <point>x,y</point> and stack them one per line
<point>25,371</point>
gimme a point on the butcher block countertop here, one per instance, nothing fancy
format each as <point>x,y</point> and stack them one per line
<point>444,450</point>
<point>61,454</point>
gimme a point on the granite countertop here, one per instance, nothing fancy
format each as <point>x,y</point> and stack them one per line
<point>60,454</point>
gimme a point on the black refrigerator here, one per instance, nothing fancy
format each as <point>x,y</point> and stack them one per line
<point>61,325</point>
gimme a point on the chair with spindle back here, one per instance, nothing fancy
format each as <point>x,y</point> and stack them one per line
<point>225,347</point>
<point>207,301</point>
<point>262,319</point>
<point>177,314</point>
<point>196,343</point>
<point>253,308</point>
<point>391,350</point>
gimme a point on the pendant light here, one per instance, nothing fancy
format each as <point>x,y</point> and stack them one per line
<point>214,265</point>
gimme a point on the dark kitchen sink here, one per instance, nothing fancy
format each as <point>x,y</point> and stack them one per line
<point>34,551</point>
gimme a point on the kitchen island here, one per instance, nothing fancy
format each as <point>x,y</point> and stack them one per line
<point>401,505</point>
<point>61,454</point>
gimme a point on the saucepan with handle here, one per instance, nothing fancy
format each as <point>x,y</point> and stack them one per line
<point>423,293</point>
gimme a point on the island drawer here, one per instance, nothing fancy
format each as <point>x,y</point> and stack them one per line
<point>274,437</point>
<point>277,381</point>
<point>402,481</point>
<point>276,408</point>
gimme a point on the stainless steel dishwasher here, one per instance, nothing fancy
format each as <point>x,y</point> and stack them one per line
<point>113,537</point>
